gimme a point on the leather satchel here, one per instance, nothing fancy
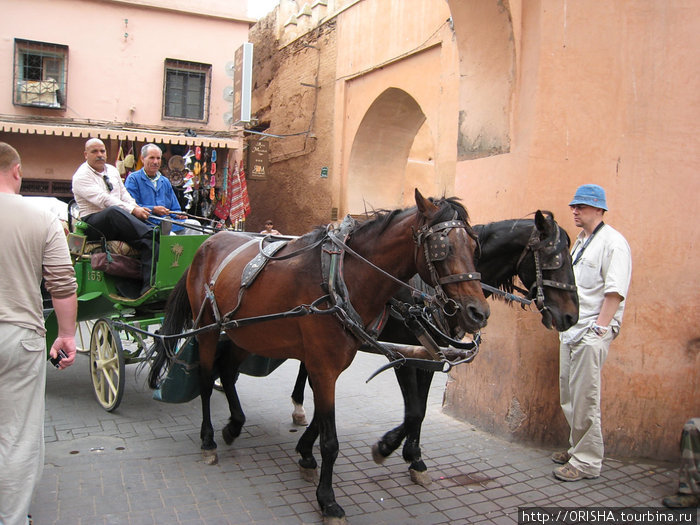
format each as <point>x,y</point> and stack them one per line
<point>118,265</point>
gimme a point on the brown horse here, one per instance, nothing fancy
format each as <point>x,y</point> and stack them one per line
<point>537,253</point>
<point>352,271</point>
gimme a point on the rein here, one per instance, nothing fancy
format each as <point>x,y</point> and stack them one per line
<point>434,241</point>
<point>332,252</point>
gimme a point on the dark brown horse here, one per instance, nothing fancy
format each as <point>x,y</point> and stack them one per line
<point>342,279</point>
<point>537,252</point>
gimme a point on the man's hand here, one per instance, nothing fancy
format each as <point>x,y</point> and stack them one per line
<point>160,211</point>
<point>141,213</point>
<point>67,344</point>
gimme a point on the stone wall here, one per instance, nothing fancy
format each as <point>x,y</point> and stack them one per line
<point>293,97</point>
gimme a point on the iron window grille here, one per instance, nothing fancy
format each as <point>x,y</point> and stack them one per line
<point>186,90</point>
<point>40,74</point>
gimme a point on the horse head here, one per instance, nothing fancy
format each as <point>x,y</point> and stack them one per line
<point>546,270</point>
<point>445,258</point>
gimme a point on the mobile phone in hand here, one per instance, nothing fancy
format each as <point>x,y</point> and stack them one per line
<point>56,360</point>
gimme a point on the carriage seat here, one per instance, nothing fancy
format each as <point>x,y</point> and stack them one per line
<point>121,259</point>
<point>113,247</point>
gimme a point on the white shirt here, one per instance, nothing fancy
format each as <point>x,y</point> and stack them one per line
<point>91,192</point>
<point>604,267</point>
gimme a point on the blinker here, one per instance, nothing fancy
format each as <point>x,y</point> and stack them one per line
<point>438,247</point>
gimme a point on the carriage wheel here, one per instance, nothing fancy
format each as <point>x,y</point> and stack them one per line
<point>107,365</point>
<point>83,334</point>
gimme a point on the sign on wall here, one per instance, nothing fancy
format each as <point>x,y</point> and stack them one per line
<point>242,83</point>
<point>258,158</point>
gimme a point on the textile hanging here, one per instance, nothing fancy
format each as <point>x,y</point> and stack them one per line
<point>223,208</point>
<point>244,190</point>
<point>240,203</point>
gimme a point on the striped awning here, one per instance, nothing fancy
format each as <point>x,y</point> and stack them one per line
<point>105,133</point>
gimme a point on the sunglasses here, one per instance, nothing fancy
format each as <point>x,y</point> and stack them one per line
<point>110,187</point>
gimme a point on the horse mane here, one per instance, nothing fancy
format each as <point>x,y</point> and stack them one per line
<point>486,233</point>
<point>377,221</point>
<point>447,206</point>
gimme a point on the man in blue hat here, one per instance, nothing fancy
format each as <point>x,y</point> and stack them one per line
<point>603,268</point>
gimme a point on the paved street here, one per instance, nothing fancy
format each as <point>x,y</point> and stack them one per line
<point>141,464</point>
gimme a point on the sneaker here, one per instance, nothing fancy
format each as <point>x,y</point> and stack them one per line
<point>680,501</point>
<point>570,473</point>
<point>562,457</point>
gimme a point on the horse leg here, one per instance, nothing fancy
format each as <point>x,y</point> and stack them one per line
<point>227,364</point>
<point>207,353</point>
<point>307,461</point>
<point>390,441</point>
<point>324,415</point>
<point>414,384</point>
<point>413,423</point>
<point>299,414</point>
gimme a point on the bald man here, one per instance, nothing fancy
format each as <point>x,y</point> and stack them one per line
<point>33,246</point>
<point>109,210</point>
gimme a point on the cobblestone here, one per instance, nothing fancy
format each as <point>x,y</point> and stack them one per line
<point>141,464</point>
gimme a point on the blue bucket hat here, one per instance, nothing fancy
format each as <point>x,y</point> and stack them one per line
<point>591,195</point>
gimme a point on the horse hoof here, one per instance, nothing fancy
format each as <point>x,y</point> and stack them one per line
<point>331,520</point>
<point>299,416</point>
<point>420,478</point>
<point>227,435</point>
<point>376,455</point>
<point>299,419</point>
<point>210,457</point>
<point>309,474</point>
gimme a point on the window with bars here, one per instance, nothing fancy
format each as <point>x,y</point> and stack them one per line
<point>186,90</point>
<point>40,74</point>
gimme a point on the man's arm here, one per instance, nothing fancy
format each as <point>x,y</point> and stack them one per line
<point>132,187</point>
<point>611,302</point>
<point>133,190</point>
<point>66,309</point>
<point>59,278</point>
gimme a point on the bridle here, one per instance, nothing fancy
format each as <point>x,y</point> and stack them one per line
<point>547,254</point>
<point>436,247</point>
<point>433,241</point>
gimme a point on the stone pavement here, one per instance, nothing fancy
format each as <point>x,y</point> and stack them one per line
<point>141,464</point>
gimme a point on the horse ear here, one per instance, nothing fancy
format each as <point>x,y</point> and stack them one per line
<point>540,221</point>
<point>424,205</point>
<point>544,221</point>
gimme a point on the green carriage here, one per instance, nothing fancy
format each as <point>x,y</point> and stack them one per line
<point>103,312</point>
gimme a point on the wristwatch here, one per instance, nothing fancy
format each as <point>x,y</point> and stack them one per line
<point>600,331</point>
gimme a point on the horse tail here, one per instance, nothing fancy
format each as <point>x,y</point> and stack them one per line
<point>178,316</point>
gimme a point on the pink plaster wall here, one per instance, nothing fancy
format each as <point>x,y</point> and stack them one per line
<point>415,54</point>
<point>110,73</point>
<point>605,93</point>
<point>115,67</point>
<point>523,101</point>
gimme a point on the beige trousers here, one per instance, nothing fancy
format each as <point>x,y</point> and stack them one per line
<point>580,367</point>
<point>22,388</point>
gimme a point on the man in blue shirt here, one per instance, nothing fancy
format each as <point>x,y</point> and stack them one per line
<point>150,189</point>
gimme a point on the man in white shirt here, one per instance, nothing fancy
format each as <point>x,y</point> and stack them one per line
<point>603,269</point>
<point>109,210</point>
